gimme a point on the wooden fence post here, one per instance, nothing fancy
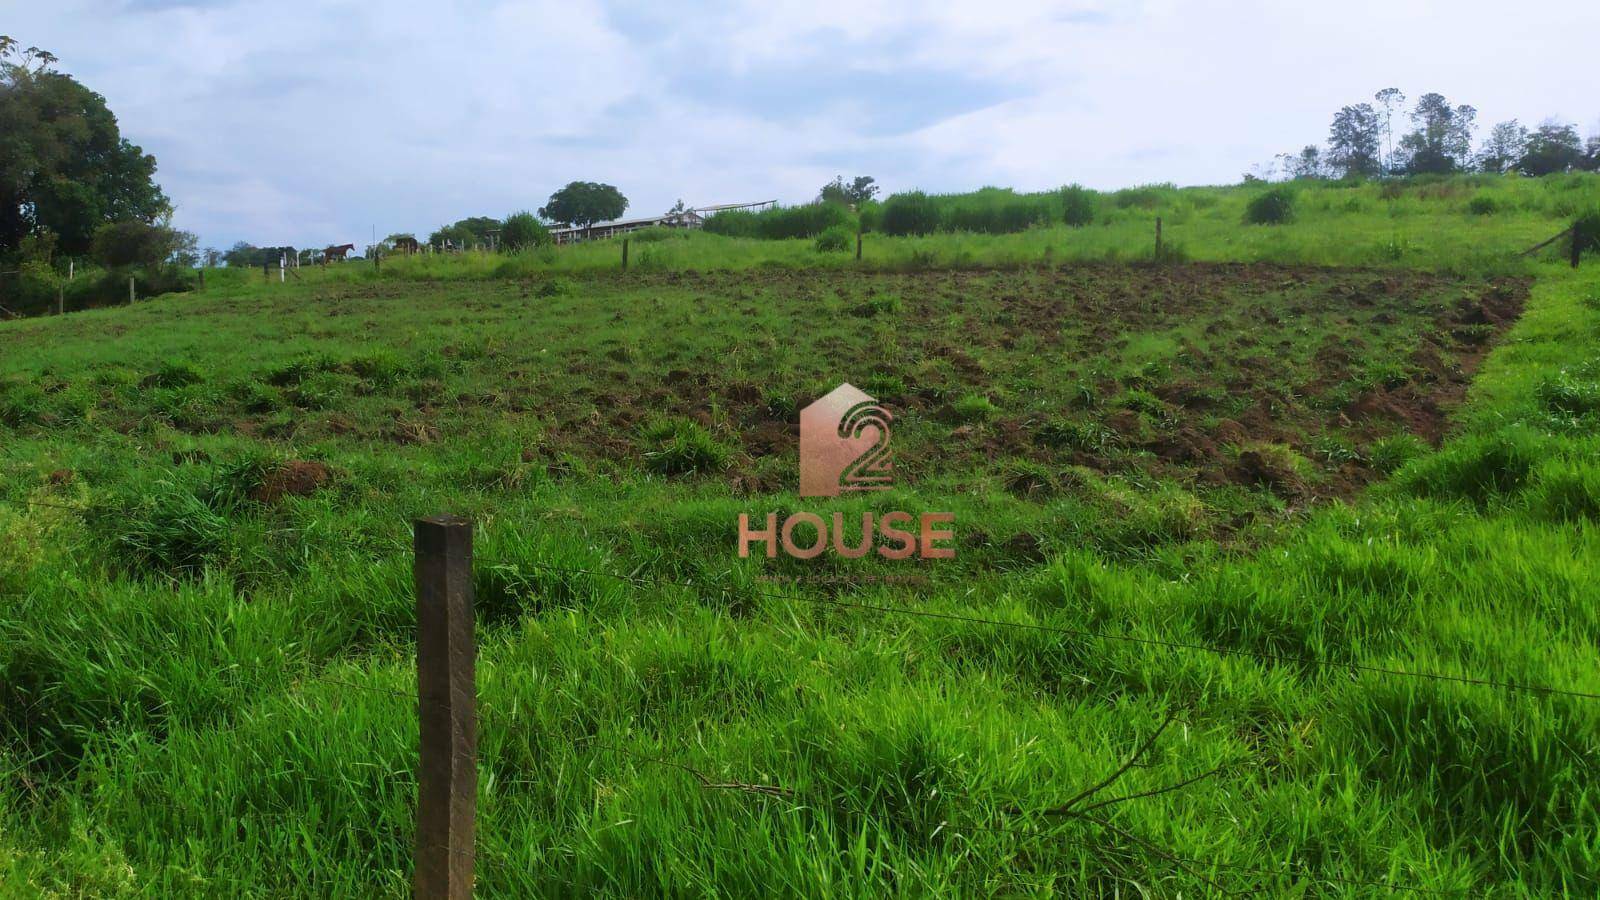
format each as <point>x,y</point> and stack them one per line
<point>130,289</point>
<point>447,789</point>
<point>1158,238</point>
<point>202,279</point>
<point>624,254</point>
<point>61,301</point>
<point>858,246</point>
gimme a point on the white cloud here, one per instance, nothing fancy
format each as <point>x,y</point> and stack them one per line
<point>312,122</point>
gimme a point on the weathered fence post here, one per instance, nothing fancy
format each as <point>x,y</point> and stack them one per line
<point>447,789</point>
<point>858,246</point>
<point>1158,238</point>
<point>202,279</point>
<point>377,261</point>
<point>624,254</point>
<point>130,289</point>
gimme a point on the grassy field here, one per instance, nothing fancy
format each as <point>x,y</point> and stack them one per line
<point>1241,488</point>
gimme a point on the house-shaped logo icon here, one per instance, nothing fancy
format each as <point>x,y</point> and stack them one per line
<point>844,444</point>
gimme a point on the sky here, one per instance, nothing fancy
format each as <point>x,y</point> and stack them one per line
<point>326,121</point>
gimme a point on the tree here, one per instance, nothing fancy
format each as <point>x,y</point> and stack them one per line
<point>1591,154</point>
<point>1353,148</point>
<point>860,189</point>
<point>135,243</point>
<point>522,230</point>
<point>1503,148</point>
<point>64,165</point>
<point>1553,148</point>
<point>1390,99</point>
<point>1441,139</point>
<point>242,255</point>
<point>583,203</point>
<point>212,257</point>
<point>1305,164</point>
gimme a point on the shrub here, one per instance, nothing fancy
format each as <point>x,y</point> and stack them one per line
<point>523,230</point>
<point>1271,207</point>
<point>1077,205</point>
<point>1483,205</point>
<point>132,243</point>
<point>836,239</point>
<point>910,213</point>
<point>733,223</point>
<point>1587,227</point>
<point>991,211</point>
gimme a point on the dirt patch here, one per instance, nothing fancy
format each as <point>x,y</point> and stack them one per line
<point>296,478</point>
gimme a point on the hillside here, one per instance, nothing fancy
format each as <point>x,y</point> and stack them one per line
<point>1319,496</point>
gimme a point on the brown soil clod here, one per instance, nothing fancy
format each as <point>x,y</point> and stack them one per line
<point>295,478</point>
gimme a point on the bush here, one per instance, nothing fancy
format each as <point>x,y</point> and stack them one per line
<point>132,243</point>
<point>1587,227</point>
<point>910,213</point>
<point>836,239</point>
<point>1077,205</point>
<point>781,222</point>
<point>992,211</point>
<point>1272,207</point>
<point>523,230</point>
<point>1483,205</point>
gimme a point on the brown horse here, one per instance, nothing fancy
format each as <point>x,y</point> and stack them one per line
<point>336,253</point>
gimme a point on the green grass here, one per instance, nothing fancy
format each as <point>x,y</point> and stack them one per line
<point>205,685</point>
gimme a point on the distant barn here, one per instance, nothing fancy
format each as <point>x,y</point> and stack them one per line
<point>600,230</point>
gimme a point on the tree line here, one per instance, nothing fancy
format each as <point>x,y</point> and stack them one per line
<point>1434,137</point>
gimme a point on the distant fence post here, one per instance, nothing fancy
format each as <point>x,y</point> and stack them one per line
<point>202,279</point>
<point>624,254</point>
<point>1158,237</point>
<point>858,246</point>
<point>1577,245</point>
<point>447,788</point>
<point>377,261</point>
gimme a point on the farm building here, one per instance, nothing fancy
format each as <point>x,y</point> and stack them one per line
<point>689,219</point>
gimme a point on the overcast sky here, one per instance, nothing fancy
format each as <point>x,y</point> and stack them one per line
<point>315,122</point>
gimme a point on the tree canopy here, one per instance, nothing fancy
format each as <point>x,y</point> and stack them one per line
<point>64,165</point>
<point>583,203</point>
<point>854,193</point>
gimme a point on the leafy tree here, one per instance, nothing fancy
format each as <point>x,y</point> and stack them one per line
<point>1503,148</point>
<point>522,230</point>
<point>583,203</point>
<point>1591,154</point>
<point>135,243</point>
<point>63,163</point>
<point>1353,148</point>
<point>1553,148</point>
<point>860,190</point>
<point>1441,139</point>
<point>1305,164</point>
<point>212,257</point>
<point>242,255</point>
<point>1390,99</point>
